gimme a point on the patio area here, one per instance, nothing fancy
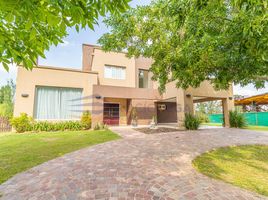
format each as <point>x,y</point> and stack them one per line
<point>139,166</point>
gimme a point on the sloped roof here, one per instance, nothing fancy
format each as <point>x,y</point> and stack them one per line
<point>260,99</point>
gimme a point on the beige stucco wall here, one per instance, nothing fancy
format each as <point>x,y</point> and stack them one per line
<point>206,90</point>
<point>45,76</point>
<point>101,58</point>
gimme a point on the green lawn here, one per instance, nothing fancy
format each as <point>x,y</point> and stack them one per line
<point>19,152</point>
<point>243,166</point>
<point>254,128</point>
<point>257,128</point>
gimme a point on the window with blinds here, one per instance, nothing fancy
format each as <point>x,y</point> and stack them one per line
<point>114,72</point>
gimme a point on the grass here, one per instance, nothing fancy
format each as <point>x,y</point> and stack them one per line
<point>257,128</point>
<point>244,166</point>
<point>212,124</point>
<point>254,128</point>
<point>19,152</point>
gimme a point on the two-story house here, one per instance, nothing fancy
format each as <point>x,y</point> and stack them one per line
<point>110,85</point>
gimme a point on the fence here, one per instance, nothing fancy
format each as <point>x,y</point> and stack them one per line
<point>4,125</point>
<point>253,118</point>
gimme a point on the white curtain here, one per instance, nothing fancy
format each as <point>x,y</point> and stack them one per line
<point>58,103</point>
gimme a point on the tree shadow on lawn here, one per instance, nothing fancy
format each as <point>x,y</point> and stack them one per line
<point>245,166</point>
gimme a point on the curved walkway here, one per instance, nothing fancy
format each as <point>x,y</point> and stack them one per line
<point>137,167</point>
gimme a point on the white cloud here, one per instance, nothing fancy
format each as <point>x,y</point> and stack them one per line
<point>249,90</point>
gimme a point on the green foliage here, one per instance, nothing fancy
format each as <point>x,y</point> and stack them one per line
<point>134,114</point>
<point>28,28</point>
<point>6,99</point>
<point>210,107</point>
<point>6,110</point>
<point>100,126</point>
<point>22,123</point>
<point>237,120</point>
<point>25,123</point>
<point>191,122</point>
<point>202,117</point>
<point>191,40</point>
<point>56,126</point>
<point>86,120</point>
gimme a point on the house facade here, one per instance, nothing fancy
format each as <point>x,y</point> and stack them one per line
<point>111,86</point>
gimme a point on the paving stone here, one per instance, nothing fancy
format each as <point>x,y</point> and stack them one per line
<point>138,166</point>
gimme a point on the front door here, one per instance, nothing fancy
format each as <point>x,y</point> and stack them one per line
<point>111,114</point>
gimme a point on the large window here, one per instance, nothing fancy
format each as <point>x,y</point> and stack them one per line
<point>143,78</point>
<point>114,72</point>
<point>58,103</point>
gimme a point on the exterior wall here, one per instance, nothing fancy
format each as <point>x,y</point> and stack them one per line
<point>142,99</point>
<point>169,115</point>
<point>101,58</point>
<point>122,108</point>
<point>45,76</point>
<point>207,90</point>
<point>145,110</point>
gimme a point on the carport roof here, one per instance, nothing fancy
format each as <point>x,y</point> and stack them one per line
<point>261,99</point>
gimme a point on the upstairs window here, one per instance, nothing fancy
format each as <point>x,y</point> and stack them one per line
<point>114,72</point>
<point>143,78</point>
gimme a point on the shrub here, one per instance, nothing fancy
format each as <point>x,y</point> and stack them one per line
<point>237,120</point>
<point>86,120</point>
<point>202,117</point>
<point>22,123</point>
<point>191,122</point>
<point>57,126</point>
<point>100,126</point>
<point>6,110</point>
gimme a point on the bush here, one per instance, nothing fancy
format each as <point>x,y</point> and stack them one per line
<point>202,117</point>
<point>86,120</point>
<point>100,126</point>
<point>22,123</point>
<point>191,122</point>
<point>237,120</point>
<point>57,126</point>
<point>6,110</point>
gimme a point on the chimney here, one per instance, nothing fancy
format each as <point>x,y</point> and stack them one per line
<point>88,52</point>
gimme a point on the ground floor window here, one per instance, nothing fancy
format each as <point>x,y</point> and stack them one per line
<point>58,103</point>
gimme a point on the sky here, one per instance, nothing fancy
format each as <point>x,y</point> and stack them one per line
<point>69,54</point>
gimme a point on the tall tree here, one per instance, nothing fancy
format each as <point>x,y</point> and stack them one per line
<point>29,27</point>
<point>190,41</point>
<point>7,93</point>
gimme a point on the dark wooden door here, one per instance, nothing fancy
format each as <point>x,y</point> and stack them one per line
<point>111,114</point>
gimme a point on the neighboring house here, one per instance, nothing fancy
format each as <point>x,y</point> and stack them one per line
<point>110,85</point>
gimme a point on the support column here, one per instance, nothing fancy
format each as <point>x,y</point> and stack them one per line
<point>184,105</point>
<point>227,105</point>
<point>97,111</point>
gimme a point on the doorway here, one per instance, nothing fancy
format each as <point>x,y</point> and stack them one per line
<point>111,114</point>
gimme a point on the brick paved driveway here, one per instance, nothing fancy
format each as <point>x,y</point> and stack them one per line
<point>137,167</point>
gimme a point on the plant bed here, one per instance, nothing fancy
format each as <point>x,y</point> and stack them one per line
<point>156,130</point>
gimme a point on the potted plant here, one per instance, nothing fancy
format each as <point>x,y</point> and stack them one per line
<point>134,117</point>
<point>153,122</point>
